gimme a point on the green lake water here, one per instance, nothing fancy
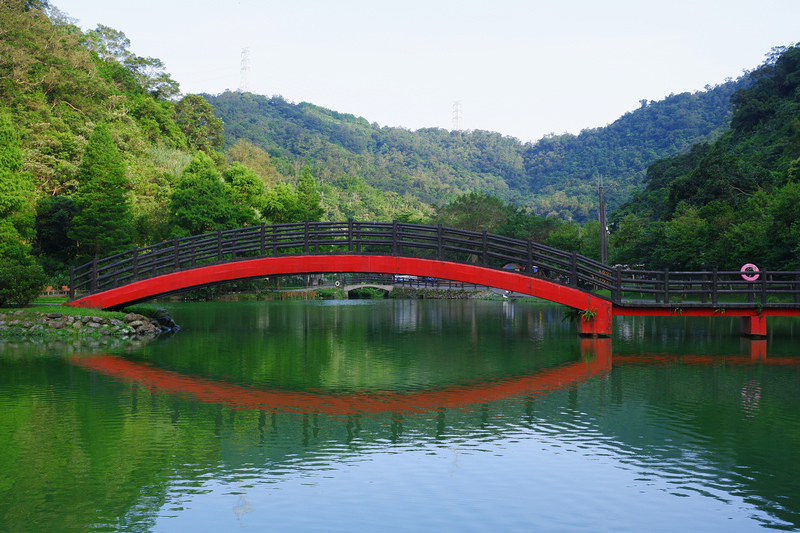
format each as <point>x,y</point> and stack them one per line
<point>403,415</point>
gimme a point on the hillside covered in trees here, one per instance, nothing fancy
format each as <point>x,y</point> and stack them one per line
<point>556,176</point>
<point>733,201</point>
<point>99,151</point>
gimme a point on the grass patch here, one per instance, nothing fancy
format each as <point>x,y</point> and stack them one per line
<point>332,294</point>
<point>74,311</point>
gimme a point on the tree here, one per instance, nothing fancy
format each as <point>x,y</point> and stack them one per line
<point>53,246</point>
<point>473,212</point>
<point>590,240</point>
<point>202,202</point>
<point>195,117</point>
<point>108,43</point>
<point>253,158</point>
<point>103,222</point>
<point>685,240</point>
<point>152,78</point>
<point>20,283</point>
<point>16,197</point>
<point>247,189</point>
<point>626,242</point>
<point>286,204</point>
<point>281,205</point>
<point>21,278</point>
<point>567,238</point>
<point>308,198</point>
<point>522,225</point>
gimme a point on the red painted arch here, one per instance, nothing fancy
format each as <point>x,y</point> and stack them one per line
<point>597,321</point>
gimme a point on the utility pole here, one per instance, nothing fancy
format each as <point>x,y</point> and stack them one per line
<point>603,231</point>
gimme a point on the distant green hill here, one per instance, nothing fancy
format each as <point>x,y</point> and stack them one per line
<point>554,176</point>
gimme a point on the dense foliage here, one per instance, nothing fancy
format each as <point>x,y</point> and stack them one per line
<point>555,176</point>
<point>733,201</point>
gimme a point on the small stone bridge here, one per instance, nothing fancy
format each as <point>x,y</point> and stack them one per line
<point>596,291</point>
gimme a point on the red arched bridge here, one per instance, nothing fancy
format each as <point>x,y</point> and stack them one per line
<point>596,291</point>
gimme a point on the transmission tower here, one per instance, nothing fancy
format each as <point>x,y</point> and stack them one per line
<point>457,116</point>
<point>244,82</point>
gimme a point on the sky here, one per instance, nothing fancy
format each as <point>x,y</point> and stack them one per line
<point>522,68</point>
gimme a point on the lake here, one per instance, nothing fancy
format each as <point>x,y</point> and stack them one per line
<point>403,415</point>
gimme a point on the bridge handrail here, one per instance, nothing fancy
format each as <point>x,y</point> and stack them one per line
<point>621,285</point>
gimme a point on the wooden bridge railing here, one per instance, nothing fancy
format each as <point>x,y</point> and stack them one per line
<point>620,285</point>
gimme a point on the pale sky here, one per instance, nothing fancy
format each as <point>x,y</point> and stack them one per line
<point>523,68</point>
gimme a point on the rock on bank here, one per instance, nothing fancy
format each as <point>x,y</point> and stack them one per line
<point>26,322</point>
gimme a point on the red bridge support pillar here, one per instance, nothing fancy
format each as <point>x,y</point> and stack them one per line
<point>596,321</point>
<point>754,326</point>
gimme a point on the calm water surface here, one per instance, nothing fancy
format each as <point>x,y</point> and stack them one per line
<point>404,416</point>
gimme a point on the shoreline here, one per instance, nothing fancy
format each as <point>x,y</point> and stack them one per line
<point>80,323</point>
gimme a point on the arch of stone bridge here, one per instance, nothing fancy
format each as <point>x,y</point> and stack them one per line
<point>387,288</point>
<point>596,321</point>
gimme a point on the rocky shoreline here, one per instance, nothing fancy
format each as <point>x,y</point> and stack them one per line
<point>32,323</point>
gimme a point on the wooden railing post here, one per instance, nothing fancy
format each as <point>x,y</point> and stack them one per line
<point>529,253</point>
<point>573,269</point>
<point>395,239</point>
<point>714,286</point>
<point>219,246</point>
<point>439,243</point>
<point>666,286</point>
<point>764,288</point>
<point>263,239</point>
<point>176,254</point>
<point>94,275</point>
<point>795,289</point>
<point>350,235</point>
<point>618,283</point>
<point>305,236</point>
<point>484,250</point>
<point>135,262</point>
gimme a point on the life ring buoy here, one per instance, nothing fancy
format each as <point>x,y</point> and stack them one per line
<point>749,267</point>
<point>337,283</point>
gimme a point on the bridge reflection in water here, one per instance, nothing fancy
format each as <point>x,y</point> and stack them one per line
<point>596,360</point>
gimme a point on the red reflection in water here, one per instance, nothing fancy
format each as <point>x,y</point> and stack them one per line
<point>595,360</point>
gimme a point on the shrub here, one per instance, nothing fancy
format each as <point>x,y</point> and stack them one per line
<point>20,283</point>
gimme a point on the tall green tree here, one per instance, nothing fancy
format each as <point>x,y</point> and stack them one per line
<point>16,197</point>
<point>103,222</point>
<point>308,196</point>
<point>281,205</point>
<point>21,278</point>
<point>285,203</point>
<point>247,189</point>
<point>202,202</point>
<point>195,117</point>
<point>474,212</point>
<point>53,246</point>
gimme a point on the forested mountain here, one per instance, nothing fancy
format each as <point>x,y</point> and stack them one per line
<point>733,201</point>
<point>556,176</point>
